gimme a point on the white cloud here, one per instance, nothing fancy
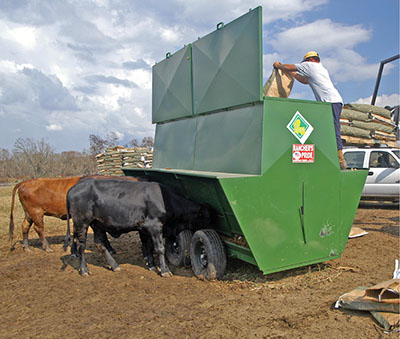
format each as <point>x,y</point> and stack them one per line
<point>288,9</point>
<point>171,34</point>
<point>268,60</point>
<point>337,52</point>
<point>382,100</point>
<point>227,10</point>
<point>101,3</point>
<point>348,65</point>
<point>25,36</point>
<point>7,66</point>
<point>313,36</point>
<point>54,127</point>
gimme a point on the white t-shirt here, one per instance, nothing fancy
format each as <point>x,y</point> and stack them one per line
<point>319,81</point>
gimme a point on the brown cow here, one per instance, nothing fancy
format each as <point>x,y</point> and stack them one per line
<point>40,197</point>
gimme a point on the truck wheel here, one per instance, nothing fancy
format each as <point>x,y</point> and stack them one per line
<point>177,248</point>
<point>207,255</point>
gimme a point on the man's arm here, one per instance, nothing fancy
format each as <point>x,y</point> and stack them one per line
<point>285,67</point>
<point>300,78</point>
<point>292,69</point>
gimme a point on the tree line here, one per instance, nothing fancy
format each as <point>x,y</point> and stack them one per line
<point>32,158</point>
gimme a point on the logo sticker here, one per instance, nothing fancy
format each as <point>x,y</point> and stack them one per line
<point>303,153</point>
<point>300,127</point>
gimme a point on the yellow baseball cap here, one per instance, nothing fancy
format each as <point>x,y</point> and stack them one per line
<point>310,54</point>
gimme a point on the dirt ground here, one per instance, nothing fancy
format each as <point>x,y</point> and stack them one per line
<point>43,296</point>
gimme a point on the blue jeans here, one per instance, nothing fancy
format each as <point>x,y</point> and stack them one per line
<point>337,110</point>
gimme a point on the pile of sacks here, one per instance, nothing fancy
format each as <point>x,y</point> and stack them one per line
<point>362,124</point>
<point>111,161</point>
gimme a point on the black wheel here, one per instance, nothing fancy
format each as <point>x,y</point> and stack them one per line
<point>207,255</point>
<point>177,248</point>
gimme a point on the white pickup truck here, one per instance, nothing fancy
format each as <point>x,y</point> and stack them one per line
<point>383,180</point>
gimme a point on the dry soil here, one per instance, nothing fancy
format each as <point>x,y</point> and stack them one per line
<point>43,296</point>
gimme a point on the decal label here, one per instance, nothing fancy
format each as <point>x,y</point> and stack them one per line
<point>303,153</point>
<point>300,127</point>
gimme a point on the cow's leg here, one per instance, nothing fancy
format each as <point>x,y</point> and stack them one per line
<point>80,235</point>
<point>74,249</point>
<point>106,241</point>
<point>154,228</point>
<point>26,225</point>
<point>147,250</point>
<point>109,247</point>
<point>100,240</point>
<point>40,231</point>
<point>39,228</point>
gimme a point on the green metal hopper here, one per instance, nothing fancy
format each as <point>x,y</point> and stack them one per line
<point>268,166</point>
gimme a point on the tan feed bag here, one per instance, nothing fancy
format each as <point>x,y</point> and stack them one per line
<point>279,84</point>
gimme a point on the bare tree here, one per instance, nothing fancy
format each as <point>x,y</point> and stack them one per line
<point>147,142</point>
<point>6,163</point>
<point>36,156</point>
<point>112,139</point>
<point>99,144</point>
<point>74,163</point>
<point>133,143</point>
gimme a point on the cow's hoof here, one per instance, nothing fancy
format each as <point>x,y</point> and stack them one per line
<point>166,274</point>
<point>85,273</point>
<point>49,250</point>
<point>116,269</point>
<point>154,269</point>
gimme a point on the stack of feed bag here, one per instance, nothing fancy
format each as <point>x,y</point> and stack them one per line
<point>140,157</point>
<point>113,159</point>
<point>366,125</point>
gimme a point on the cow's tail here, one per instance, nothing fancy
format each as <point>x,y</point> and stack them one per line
<point>11,228</point>
<point>67,238</point>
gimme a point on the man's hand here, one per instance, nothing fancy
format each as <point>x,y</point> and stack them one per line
<point>276,64</point>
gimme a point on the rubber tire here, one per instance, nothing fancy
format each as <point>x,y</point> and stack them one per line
<point>207,255</point>
<point>180,255</point>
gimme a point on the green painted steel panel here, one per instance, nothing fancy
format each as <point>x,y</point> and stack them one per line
<point>227,65</point>
<point>350,195</point>
<point>230,141</point>
<point>234,146</point>
<point>278,113</point>
<point>293,215</point>
<point>236,251</point>
<point>268,209</point>
<point>172,87</point>
<point>174,144</point>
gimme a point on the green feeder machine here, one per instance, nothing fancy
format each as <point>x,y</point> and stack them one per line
<point>268,166</point>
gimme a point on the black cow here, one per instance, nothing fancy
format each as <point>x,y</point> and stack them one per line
<point>118,206</point>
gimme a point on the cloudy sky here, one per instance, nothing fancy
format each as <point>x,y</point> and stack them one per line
<point>71,68</point>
